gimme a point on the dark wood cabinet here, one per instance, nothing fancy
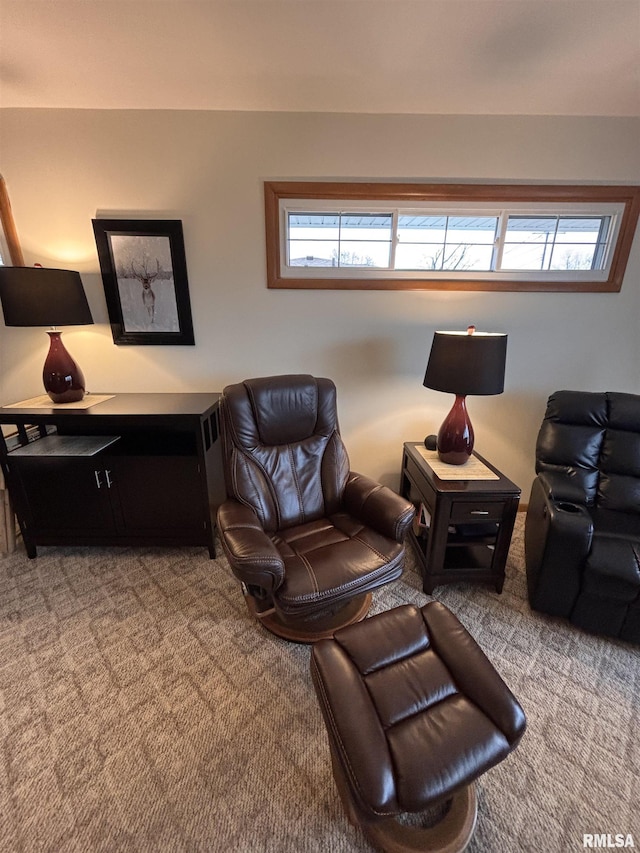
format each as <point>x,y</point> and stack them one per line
<point>62,498</point>
<point>158,492</point>
<point>462,528</point>
<point>133,469</point>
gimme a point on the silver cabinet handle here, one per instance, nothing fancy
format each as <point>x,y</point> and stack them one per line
<point>107,475</point>
<point>479,512</point>
<point>98,480</point>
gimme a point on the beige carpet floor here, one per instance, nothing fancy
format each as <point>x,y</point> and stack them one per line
<point>142,710</point>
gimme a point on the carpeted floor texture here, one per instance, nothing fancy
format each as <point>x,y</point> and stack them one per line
<point>142,710</point>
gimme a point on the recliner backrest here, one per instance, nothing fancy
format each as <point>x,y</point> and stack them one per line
<point>594,437</point>
<point>283,453</point>
<point>619,483</point>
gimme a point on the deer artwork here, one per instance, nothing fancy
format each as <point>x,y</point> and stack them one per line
<point>145,278</point>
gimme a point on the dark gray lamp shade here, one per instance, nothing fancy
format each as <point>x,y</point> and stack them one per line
<point>38,296</point>
<point>461,363</point>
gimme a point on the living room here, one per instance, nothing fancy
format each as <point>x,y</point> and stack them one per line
<point>182,111</point>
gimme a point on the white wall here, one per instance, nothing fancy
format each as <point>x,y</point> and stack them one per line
<point>63,167</point>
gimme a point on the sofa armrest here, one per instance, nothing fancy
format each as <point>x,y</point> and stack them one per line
<point>253,557</point>
<point>378,506</point>
<point>558,537</point>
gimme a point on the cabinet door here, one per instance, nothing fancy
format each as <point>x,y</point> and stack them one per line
<point>159,496</point>
<point>66,497</point>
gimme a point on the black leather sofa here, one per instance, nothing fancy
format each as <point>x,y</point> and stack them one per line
<point>582,534</point>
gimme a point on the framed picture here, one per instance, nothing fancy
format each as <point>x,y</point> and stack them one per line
<point>144,272</point>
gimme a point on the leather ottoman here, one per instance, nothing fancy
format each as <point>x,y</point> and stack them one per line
<point>415,712</point>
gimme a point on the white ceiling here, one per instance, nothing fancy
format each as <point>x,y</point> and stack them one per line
<point>534,57</point>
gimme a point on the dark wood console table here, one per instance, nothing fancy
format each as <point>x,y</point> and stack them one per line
<point>463,528</point>
<point>134,469</point>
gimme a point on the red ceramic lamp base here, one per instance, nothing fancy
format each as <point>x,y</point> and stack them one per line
<point>63,379</point>
<point>455,438</point>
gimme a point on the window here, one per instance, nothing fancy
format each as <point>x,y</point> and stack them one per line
<point>557,242</point>
<point>438,236</point>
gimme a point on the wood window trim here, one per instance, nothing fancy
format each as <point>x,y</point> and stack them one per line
<point>275,191</point>
<point>9,227</point>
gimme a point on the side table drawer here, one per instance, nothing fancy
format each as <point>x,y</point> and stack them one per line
<point>467,512</point>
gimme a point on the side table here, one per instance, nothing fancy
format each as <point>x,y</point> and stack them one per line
<point>463,528</point>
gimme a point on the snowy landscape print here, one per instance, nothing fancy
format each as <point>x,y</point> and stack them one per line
<point>146,286</point>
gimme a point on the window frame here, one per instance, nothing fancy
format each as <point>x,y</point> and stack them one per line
<point>454,198</point>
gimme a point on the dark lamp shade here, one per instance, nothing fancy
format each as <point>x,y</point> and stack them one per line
<point>37,296</point>
<point>461,364</point>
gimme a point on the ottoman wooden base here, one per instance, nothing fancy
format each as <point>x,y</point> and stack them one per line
<point>450,834</point>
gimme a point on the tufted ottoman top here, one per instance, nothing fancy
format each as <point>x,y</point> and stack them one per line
<point>413,708</point>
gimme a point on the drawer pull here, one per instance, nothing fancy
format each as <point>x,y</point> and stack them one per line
<point>479,512</point>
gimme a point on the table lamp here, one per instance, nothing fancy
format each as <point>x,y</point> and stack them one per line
<point>464,363</point>
<point>37,296</point>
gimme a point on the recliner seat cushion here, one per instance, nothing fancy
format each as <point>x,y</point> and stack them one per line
<point>331,559</point>
<point>615,524</point>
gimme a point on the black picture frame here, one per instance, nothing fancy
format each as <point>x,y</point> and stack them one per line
<point>144,273</point>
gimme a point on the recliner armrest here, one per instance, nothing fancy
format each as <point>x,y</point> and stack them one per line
<point>559,486</point>
<point>378,506</point>
<point>253,557</point>
<point>558,537</point>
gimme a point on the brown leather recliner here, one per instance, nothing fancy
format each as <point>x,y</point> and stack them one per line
<point>308,538</point>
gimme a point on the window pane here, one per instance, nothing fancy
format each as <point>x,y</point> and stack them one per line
<point>364,253</point>
<point>472,229</point>
<point>465,242</point>
<point>367,226</point>
<point>564,243</point>
<point>572,256</point>
<point>530,229</point>
<point>313,253</point>
<point>313,239</point>
<point>419,256</point>
<point>523,256</point>
<point>578,230</point>
<point>319,226</point>
<point>528,242</point>
<point>464,256</point>
<point>365,240</point>
<point>421,229</point>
